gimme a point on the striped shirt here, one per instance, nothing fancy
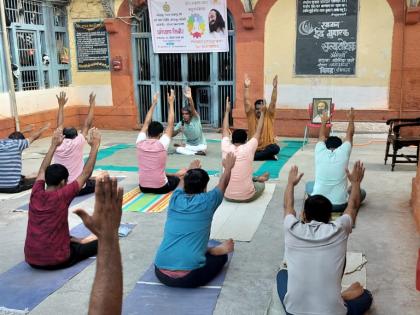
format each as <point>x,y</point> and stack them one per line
<point>11,161</point>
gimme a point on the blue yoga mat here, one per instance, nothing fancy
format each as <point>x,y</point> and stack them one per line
<point>151,297</point>
<point>22,288</point>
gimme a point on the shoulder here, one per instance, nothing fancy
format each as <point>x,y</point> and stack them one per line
<point>345,147</point>
<point>226,142</point>
<point>320,147</point>
<point>345,221</point>
<point>290,221</point>
<point>141,137</point>
<point>253,142</point>
<point>38,186</point>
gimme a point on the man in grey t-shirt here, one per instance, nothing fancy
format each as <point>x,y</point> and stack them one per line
<point>315,252</point>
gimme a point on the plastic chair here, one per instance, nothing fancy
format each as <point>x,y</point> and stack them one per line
<point>311,124</point>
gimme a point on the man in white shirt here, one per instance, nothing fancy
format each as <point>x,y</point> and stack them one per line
<point>315,252</point>
<point>331,161</point>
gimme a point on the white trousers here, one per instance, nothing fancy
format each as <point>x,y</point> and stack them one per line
<point>191,149</point>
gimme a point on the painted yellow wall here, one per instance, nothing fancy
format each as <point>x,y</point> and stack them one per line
<point>374,48</point>
<point>80,10</point>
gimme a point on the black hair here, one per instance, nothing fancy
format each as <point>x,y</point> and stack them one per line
<point>70,132</point>
<point>17,136</point>
<point>239,136</point>
<point>259,102</point>
<point>318,208</point>
<point>55,173</point>
<point>333,142</point>
<point>219,23</point>
<point>186,109</point>
<point>195,181</point>
<point>155,129</point>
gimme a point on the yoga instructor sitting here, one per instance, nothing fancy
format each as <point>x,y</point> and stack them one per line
<point>183,259</point>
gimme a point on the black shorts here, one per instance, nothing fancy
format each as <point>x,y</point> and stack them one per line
<point>89,188</point>
<point>171,185</point>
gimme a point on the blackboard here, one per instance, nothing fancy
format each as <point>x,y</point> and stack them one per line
<point>326,37</point>
<point>91,46</point>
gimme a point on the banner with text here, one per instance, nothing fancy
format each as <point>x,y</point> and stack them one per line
<point>189,26</point>
<point>326,37</point>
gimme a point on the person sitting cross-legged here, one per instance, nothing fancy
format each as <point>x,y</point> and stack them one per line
<point>183,258</point>
<point>70,152</point>
<point>152,152</point>
<point>48,243</point>
<point>242,186</point>
<point>11,178</point>
<point>315,253</point>
<point>190,125</point>
<point>331,161</point>
<point>267,146</point>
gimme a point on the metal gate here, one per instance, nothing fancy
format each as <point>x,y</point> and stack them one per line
<point>210,76</point>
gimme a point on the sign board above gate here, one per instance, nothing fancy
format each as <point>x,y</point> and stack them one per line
<point>190,26</point>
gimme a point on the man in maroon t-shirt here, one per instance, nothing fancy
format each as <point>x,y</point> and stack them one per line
<point>48,243</point>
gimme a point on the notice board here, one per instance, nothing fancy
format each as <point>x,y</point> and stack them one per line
<point>91,46</point>
<point>326,37</point>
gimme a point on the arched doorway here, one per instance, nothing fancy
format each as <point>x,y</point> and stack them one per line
<point>210,75</point>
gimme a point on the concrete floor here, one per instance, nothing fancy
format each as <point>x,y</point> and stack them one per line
<point>385,232</point>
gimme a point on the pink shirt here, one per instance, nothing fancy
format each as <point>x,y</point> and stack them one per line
<point>70,154</point>
<point>151,157</point>
<point>241,186</point>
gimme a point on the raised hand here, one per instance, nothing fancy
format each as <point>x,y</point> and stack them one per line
<point>247,81</point>
<point>106,217</point>
<point>324,117</point>
<point>46,126</point>
<point>350,114</point>
<point>94,137</point>
<point>57,138</point>
<point>228,107</point>
<point>357,174</point>
<point>275,81</point>
<point>187,92</point>
<point>171,97</point>
<point>155,98</point>
<point>294,176</point>
<point>229,161</point>
<point>62,99</point>
<point>195,164</point>
<point>92,99</point>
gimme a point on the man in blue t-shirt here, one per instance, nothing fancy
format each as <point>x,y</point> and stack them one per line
<point>191,127</point>
<point>183,259</point>
<point>11,178</point>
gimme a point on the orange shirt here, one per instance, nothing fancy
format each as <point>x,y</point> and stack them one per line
<point>267,134</point>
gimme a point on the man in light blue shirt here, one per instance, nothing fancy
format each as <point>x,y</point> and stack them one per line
<point>331,162</point>
<point>183,259</point>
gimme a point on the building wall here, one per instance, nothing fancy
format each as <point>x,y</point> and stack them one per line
<point>368,89</point>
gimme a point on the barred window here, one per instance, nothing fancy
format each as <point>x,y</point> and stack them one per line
<point>39,44</point>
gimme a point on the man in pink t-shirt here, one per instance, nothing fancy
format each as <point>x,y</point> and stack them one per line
<point>152,152</point>
<point>242,186</point>
<point>70,152</point>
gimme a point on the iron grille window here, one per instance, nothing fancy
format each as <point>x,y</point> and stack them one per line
<point>39,44</point>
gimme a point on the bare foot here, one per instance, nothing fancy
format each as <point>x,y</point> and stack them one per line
<point>200,153</point>
<point>352,292</point>
<point>87,239</point>
<point>264,177</point>
<point>225,248</point>
<point>195,164</point>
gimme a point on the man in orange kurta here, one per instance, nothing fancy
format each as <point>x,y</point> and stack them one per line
<point>267,146</point>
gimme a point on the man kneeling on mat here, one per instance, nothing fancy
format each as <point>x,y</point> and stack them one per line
<point>152,152</point>
<point>242,186</point>
<point>48,243</point>
<point>315,252</point>
<point>183,259</point>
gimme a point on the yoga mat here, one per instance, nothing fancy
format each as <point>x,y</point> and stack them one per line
<point>136,201</point>
<point>77,200</point>
<point>22,288</point>
<point>287,149</point>
<point>151,297</point>
<point>240,221</point>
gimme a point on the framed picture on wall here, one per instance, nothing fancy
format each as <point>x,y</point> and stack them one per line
<point>319,106</point>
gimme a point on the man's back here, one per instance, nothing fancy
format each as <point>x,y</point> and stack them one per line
<point>315,253</point>
<point>330,172</point>
<point>70,154</point>
<point>11,161</point>
<point>240,186</point>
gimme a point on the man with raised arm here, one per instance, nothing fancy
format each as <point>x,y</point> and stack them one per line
<point>190,125</point>
<point>11,178</point>
<point>152,146</point>
<point>107,291</point>
<point>267,146</point>
<point>70,152</point>
<point>48,244</point>
<point>332,157</point>
<point>243,187</point>
<point>315,253</point>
